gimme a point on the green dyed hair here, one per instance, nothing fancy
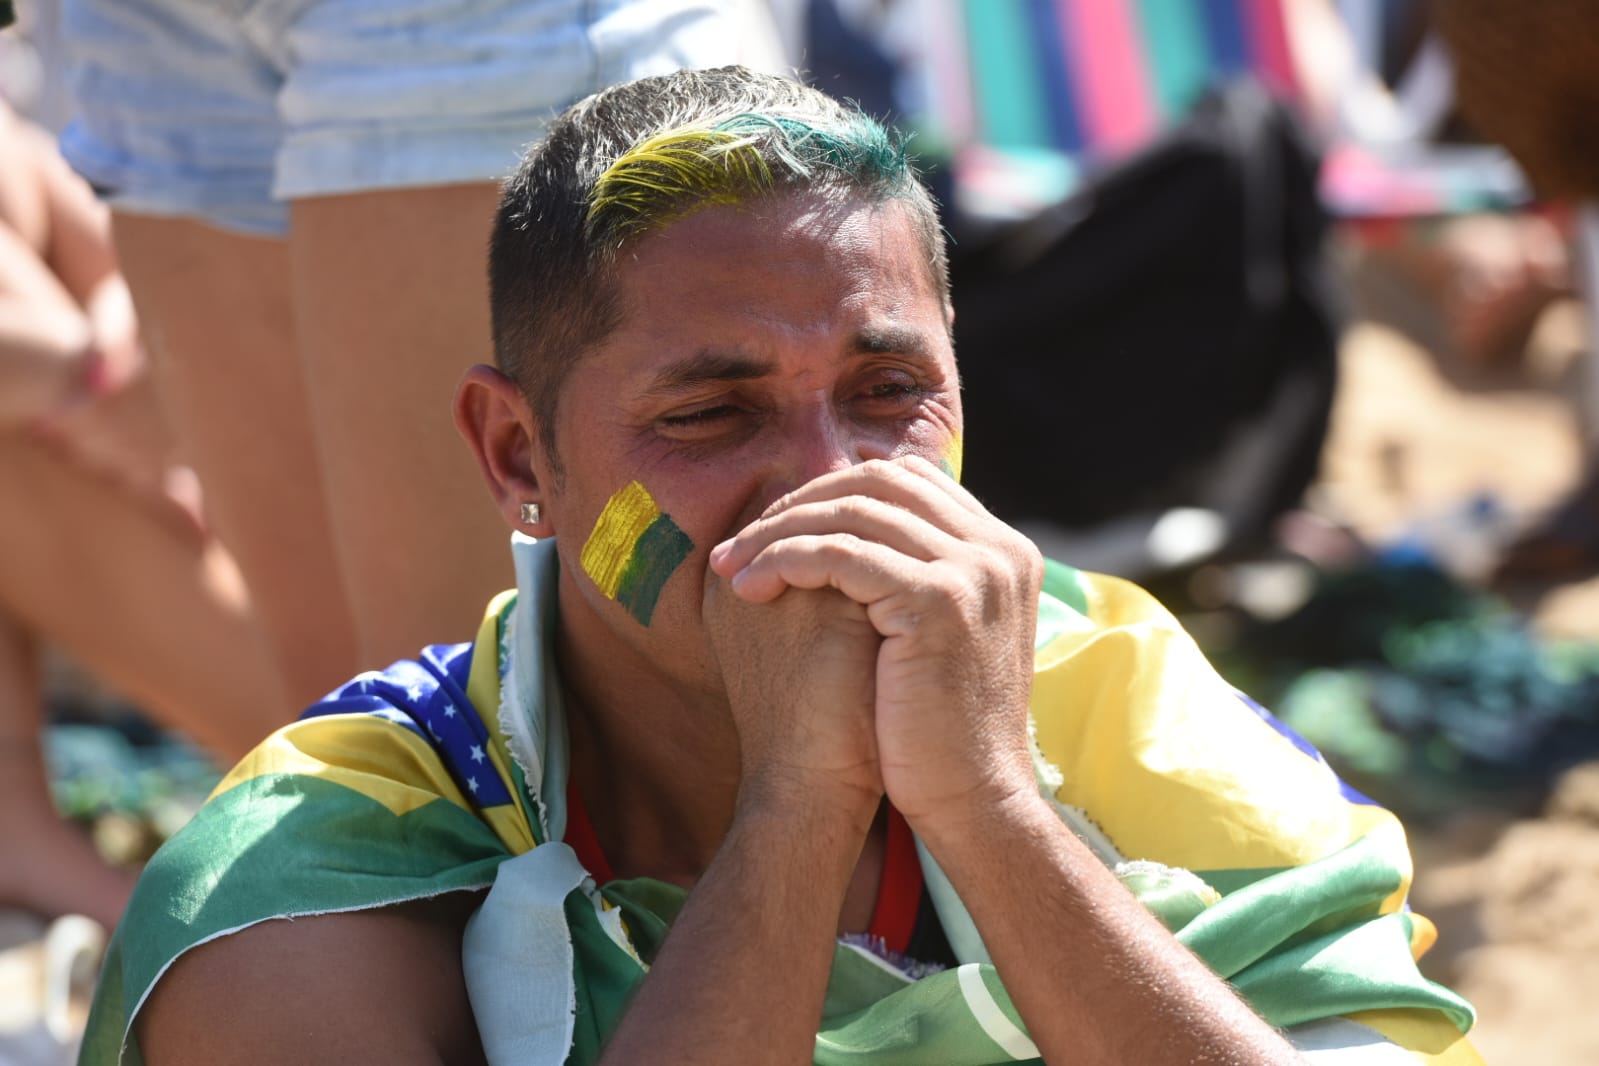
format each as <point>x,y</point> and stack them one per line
<point>640,156</point>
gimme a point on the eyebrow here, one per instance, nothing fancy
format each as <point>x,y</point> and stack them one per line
<point>708,367</point>
<point>716,366</point>
<point>892,340</point>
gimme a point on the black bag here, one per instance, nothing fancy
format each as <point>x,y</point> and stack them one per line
<point>1165,338</point>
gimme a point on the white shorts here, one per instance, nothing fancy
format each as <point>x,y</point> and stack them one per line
<point>223,110</point>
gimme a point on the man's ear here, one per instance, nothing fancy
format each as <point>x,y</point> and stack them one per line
<point>499,425</point>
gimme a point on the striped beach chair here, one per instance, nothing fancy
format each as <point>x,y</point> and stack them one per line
<point>1026,95</point>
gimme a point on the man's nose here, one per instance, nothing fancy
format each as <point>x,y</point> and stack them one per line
<point>823,443</point>
<point>818,440</point>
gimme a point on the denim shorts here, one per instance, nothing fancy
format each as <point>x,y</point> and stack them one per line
<point>224,110</point>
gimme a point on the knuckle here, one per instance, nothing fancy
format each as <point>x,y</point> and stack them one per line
<point>854,509</point>
<point>1021,558</point>
<point>887,471</point>
<point>946,585</point>
<point>1031,560</point>
<point>841,547</point>
<point>777,507</point>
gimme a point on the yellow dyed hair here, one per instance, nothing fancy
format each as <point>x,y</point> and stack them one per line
<point>699,165</point>
<point>671,173</point>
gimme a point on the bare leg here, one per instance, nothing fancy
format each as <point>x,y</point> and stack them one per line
<point>47,865</point>
<point>216,316</point>
<point>140,598</point>
<point>1485,277</point>
<point>391,300</point>
<point>1564,546</point>
<point>126,582</point>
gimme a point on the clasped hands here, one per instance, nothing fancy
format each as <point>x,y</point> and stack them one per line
<point>875,629</point>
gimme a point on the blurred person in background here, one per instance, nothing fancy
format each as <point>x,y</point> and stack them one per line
<point>1529,79</point>
<point>1487,273</point>
<point>102,551</point>
<point>302,193</point>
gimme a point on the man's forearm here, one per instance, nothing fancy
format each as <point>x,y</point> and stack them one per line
<point>742,976</point>
<point>1095,976</point>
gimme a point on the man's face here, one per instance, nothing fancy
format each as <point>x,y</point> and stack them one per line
<point>759,347</point>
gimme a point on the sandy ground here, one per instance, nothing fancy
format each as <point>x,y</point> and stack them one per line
<point>1413,436</point>
<point>1519,932</point>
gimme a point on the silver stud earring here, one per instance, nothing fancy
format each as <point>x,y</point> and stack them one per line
<point>531,515</point>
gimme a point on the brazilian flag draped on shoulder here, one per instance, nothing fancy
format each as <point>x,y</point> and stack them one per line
<point>449,774</point>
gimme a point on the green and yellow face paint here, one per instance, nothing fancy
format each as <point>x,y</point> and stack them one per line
<point>633,549</point>
<point>950,461</point>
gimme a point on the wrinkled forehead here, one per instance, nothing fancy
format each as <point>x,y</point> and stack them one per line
<point>860,239</point>
<point>820,250</point>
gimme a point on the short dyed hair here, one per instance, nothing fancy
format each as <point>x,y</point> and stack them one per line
<point>637,157</point>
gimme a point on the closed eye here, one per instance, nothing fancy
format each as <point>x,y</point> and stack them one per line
<point>701,417</point>
<point>890,396</point>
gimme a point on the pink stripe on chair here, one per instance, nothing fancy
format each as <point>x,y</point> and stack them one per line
<point>1115,95</point>
<point>949,81</point>
<point>1273,56</point>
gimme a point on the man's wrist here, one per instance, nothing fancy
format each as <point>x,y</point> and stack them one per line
<point>809,802</point>
<point>987,823</point>
<point>811,850</point>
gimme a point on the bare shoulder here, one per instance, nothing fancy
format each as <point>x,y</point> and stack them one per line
<point>369,986</point>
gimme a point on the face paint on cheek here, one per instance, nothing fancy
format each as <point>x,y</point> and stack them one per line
<point>633,549</point>
<point>951,461</point>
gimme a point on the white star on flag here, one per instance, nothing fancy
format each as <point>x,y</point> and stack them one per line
<point>477,753</point>
<point>471,783</point>
<point>449,710</point>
